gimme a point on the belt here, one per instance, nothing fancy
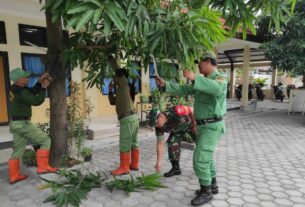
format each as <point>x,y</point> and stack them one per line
<point>21,118</point>
<point>126,114</point>
<point>206,121</point>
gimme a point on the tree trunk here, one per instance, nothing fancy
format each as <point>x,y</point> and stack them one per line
<point>57,90</point>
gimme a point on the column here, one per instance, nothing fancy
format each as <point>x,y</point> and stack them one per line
<point>273,82</point>
<point>245,80</point>
<point>232,83</point>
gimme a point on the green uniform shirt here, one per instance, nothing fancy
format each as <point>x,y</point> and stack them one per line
<point>209,93</point>
<point>122,100</point>
<point>22,100</point>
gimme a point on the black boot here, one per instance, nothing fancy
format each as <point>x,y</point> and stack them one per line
<point>214,187</point>
<point>204,196</point>
<point>174,171</point>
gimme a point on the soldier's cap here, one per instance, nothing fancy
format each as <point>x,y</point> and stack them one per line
<point>18,73</point>
<point>206,55</point>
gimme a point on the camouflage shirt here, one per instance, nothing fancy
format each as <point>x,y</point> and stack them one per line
<point>176,124</point>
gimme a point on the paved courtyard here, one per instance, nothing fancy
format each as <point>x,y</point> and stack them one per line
<point>260,161</point>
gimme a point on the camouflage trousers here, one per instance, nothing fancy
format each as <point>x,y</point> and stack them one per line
<point>174,146</point>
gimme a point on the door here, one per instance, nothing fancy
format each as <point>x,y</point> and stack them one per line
<point>3,91</point>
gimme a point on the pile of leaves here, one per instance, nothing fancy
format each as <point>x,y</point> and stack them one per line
<point>73,189</point>
<point>149,182</point>
<point>75,186</point>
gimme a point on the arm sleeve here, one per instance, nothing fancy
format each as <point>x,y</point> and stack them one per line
<point>159,134</point>
<point>31,99</point>
<point>111,98</point>
<point>210,86</point>
<point>36,89</point>
<point>179,90</point>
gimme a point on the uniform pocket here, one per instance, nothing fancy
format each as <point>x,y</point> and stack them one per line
<point>205,156</point>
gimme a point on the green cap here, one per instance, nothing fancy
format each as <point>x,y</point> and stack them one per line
<point>205,55</point>
<point>18,73</point>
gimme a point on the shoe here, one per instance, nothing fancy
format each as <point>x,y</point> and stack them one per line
<point>204,196</point>
<point>174,171</point>
<point>214,187</point>
<point>42,156</point>
<point>14,171</point>
<point>124,164</point>
<point>134,159</point>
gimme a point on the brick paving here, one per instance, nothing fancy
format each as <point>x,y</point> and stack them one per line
<point>260,161</point>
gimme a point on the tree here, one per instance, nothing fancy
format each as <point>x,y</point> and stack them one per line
<point>110,34</point>
<point>57,90</point>
<point>286,49</point>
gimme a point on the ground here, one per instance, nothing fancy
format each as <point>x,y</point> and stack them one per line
<point>260,161</point>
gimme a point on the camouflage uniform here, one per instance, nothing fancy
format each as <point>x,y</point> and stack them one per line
<point>178,127</point>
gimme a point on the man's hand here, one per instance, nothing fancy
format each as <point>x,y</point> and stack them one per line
<point>45,83</point>
<point>188,74</point>
<point>194,128</point>
<point>158,167</point>
<point>43,77</point>
<point>160,81</point>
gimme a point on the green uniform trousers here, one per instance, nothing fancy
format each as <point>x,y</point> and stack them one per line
<point>129,127</point>
<point>206,141</point>
<point>24,131</point>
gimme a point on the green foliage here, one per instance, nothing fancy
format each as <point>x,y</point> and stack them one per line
<point>86,151</point>
<point>175,30</point>
<point>73,189</point>
<point>155,96</point>
<point>75,186</point>
<point>260,81</point>
<point>77,127</point>
<point>45,127</point>
<point>149,182</point>
<point>29,158</point>
<point>287,49</point>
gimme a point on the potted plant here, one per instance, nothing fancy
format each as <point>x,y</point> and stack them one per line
<point>86,153</point>
<point>29,158</point>
<point>144,99</point>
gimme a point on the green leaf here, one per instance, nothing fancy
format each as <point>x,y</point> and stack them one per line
<point>79,8</point>
<point>85,19</point>
<point>97,15</point>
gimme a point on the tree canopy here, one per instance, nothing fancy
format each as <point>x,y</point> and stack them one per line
<point>286,49</point>
<point>108,33</point>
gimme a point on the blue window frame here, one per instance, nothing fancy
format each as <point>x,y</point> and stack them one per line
<point>135,77</point>
<point>105,86</point>
<point>152,81</point>
<point>172,74</point>
<point>34,64</point>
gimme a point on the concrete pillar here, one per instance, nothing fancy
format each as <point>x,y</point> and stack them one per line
<point>245,80</point>
<point>273,82</point>
<point>232,83</point>
<point>274,77</point>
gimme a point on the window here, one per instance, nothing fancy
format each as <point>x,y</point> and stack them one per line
<point>134,78</point>
<point>34,63</point>
<point>33,34</point>
<point>152,75</point>
<point>2,33</point>
<point>105,86</point>
<point>166,70</point>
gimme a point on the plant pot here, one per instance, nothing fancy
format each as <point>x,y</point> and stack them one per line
<point>88,158</point>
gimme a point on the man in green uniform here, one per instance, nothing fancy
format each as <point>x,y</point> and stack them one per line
<point>178,121</point>
<point>129,124</point>
<point>209,90</point>
<point>22,99</point>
